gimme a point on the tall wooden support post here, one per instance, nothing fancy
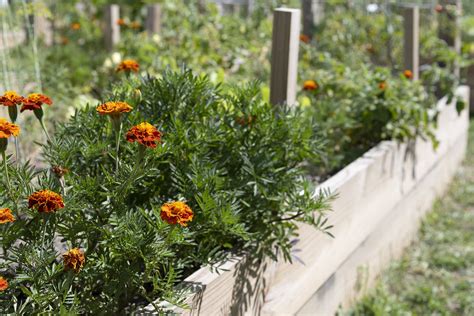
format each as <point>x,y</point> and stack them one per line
<point>285,46</point>
<point>313,14</point>
<point>112,28</point>
<point>411,48</point>
<point>153,19</point>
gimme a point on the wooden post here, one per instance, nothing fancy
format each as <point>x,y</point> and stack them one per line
<point>285,46</point>
<point>411,48</point>
<point>153,19</point>
<point>313,13</point>
<point>112,28</point>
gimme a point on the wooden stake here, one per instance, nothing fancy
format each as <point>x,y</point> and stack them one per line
<point>411,49</point>
<point>153,19</point>
<point>285,46</point>
<point>112,29</point>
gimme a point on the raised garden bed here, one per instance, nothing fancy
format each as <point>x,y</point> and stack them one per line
<point>381,198</point>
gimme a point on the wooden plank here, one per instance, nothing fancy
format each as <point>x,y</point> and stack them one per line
<point>153,19</point>
<point>284,63</point>
<point>368,190</point>
<point>112,28</point>
<point>358,273</point>
<point>411,48</point>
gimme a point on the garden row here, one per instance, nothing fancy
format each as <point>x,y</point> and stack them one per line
<point>220,172</point>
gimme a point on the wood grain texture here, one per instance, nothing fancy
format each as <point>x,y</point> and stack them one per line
<point>284,62</point>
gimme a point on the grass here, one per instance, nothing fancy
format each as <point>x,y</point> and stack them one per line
<point>436,274</point>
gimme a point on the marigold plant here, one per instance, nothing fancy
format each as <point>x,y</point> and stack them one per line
<point>8,129</point>
<point>74,260</point>
<point>45,201</point>
<point>35,101</point>
<point>114,108</point>
<point>128,65</point>
<point>6,216</point>
<point>3,284</point>
<point>145,134</point>
<point>11,98</point>
<point>176,213</point>
<point>310,85</point>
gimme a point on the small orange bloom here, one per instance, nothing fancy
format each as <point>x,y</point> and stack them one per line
<point>310,85</point>
<point>305,38</point>
<point>75,26</point>
<point>113,108</point>
<point>382,85</point>
<point>408,74</point>
<point>34,101</point>
<point>439,8</point>
<point>144,133</point>
<point>128,65</point>
<point>176,213</point>
<point>121,22</point>
<point>246,120</point>
<point>11,98</point>
<point>74,259</point>
<point>8,129</point>
<point>6,216</point>
<point>3,284</point>
<point>45,201</point>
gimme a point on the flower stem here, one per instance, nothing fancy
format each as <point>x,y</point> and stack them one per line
<point>118,132</point>
<point>4,156</point>
<point>45,130</point>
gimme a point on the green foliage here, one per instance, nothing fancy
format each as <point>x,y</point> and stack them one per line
<point>235,160</point>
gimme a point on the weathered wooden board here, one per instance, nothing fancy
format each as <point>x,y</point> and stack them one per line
<point>390,187</point>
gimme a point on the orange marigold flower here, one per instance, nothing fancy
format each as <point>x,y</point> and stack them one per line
<point>113,108</point>
<point>75,26</point>
<point>64,40</point>
<point>382,85</point>
<point>305,38</point>
<point>3,284</point>
<point>45,201</point>
<point>310,85</point>
<point>8,129</point>
<point>439,8</point>
<point>128,65</point>
<point>34,101</point>
<point>74,259</point>
<point>121,22</point>
<point>6,216</point>
<point>144,133</point>
<point>11,98</point>
<point>176,213</point>
<point>408,74</point>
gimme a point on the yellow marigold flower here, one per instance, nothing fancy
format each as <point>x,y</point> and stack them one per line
<point>34,101</point>
<point>45,201</point>
<point>6,216</point>
<point>75,26</point>
<point>3,284</point>
<point>145,134</point>
<point>8,129</point>
<point>176,213</point>
<point>128,65</point>
<point>11,98</point>
<point>408,74</point>
<point>74,259</point>
<point>310,85</point>
<point>113,108</point>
